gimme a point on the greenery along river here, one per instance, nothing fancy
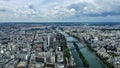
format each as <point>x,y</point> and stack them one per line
<point>89,56</point>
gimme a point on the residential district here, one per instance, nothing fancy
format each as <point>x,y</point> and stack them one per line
<point>52,46</point>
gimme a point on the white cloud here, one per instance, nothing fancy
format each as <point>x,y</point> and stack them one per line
<point>59,9</point>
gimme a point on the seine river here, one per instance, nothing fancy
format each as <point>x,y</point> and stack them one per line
<point>89,56</point>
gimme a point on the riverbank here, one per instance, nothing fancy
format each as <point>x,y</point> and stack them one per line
<point>92,59</point>
<point>85,62</point>
<point>74,55</point>
<point>103,61</point>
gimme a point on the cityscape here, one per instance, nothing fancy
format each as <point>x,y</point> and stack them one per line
<point>59,45</point>
<point>59,33</point>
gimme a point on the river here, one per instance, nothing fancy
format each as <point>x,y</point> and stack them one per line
<point>89,56</point>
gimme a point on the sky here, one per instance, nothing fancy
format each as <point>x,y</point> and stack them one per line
<point>59,10</point>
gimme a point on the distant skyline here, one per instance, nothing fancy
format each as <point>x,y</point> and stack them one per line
<point>59,10</point>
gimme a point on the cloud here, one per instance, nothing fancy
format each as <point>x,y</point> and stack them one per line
<point>4,0</point>
<point>60,9</point>
<point>3,10</point>
<point>95,8</point>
